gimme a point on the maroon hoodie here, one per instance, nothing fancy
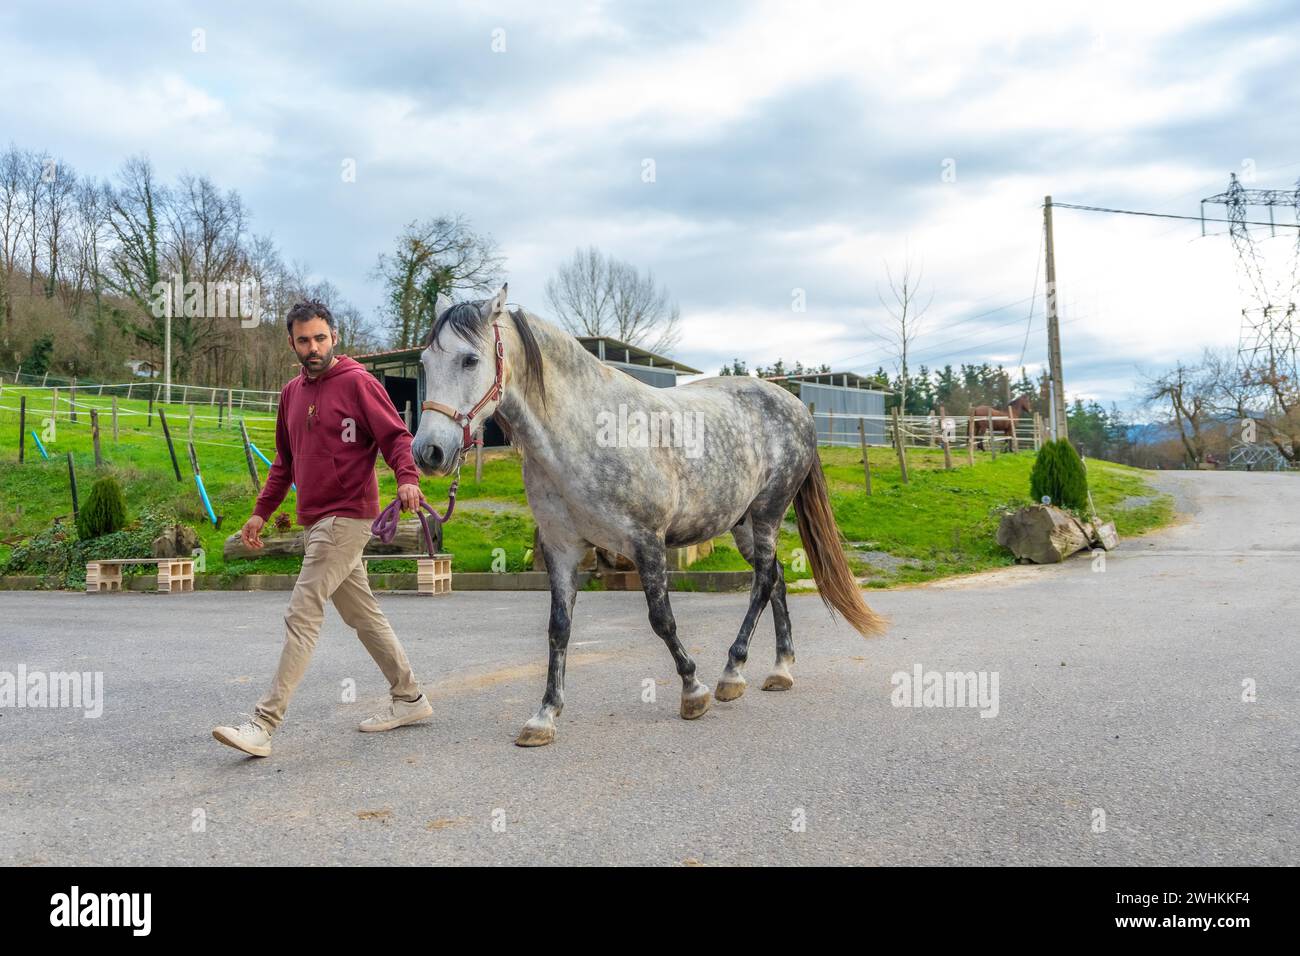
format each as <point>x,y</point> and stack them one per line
<point>327,433</point>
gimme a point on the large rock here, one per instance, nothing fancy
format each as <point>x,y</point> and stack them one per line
<point>177,542</point>
<point>409,539</point>
<point>1043,534</point>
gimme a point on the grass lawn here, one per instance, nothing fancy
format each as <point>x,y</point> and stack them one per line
<point>941,523</point>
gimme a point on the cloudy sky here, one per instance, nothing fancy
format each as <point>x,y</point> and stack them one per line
<point>795,146</point>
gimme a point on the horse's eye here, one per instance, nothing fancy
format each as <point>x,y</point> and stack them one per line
<point>469,361</point>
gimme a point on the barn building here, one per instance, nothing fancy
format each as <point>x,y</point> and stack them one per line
<point>839,400</point>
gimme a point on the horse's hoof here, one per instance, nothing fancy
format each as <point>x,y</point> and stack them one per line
<point>535,735</point>
<point>730,688</point>
<point>696,704</point>
<point>780,678</point>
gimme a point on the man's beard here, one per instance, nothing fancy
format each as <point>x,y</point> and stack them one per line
<point>316,367</point>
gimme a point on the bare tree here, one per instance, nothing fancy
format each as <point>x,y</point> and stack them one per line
<point>906,315</point>
<point>35,166</point>
<point>205,241</point>
<point>89,235</point>
<point>440,255</point>
<point>1264,396</point>
<point>595,294</point>
<point>136,260</point>
<point>13,218</point>
<point>58,198</point>
<point>1190,393</point>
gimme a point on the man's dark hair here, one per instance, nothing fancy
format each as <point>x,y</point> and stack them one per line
<point>306,311</point>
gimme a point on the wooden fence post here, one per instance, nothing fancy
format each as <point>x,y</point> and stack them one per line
<point>947,452</point>
<point>866,463</point>
<point>191,424</point>
<point>970,436</point>
<point>992,438</point>
<point>230,405</point>
<point>1015,439</point>
<point>115,419</point>
<point>406,415</point>
<point>248,455</point>
<point>898,444</point>
<point>149,421</point>
<point>22,428</point>
<point>478,464</point>
<point>72,481</point>
<point>170,447</point>
<point>94,436</point>
<point>72,414</point>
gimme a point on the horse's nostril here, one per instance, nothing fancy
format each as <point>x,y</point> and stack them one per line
<point>433,456</point>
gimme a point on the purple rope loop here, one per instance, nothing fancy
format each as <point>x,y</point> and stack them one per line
<point>385,526</point>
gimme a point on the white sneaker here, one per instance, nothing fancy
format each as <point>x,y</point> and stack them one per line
<point>397,714</point>
<point>250,737</point>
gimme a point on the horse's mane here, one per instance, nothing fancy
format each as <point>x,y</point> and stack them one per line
<point>467,320</point>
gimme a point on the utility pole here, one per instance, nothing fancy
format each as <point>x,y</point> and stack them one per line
<point>1059,428</point>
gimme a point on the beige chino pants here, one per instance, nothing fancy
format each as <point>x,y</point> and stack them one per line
<point>332,570</point>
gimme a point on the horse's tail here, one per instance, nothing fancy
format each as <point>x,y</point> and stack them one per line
<point>821,536</point>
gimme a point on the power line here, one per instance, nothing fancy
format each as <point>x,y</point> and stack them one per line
<point>1169,215</point>
<point>1033,297</point>
<point>885,350</point>
<point>879,355</point>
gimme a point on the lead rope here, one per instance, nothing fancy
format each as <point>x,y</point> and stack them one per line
<point>385,526</point>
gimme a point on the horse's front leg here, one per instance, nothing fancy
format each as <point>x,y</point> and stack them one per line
<point>652,565</point>
<point>561,567</point>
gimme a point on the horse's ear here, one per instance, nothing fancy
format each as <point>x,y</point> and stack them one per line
<point>440,306</point>
<point>498,304</point>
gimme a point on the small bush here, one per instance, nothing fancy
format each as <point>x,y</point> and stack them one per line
<point>1058,473</point>
<point>104,511</point>
<point>59,558</point>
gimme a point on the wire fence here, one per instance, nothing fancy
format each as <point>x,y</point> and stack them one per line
<point>53,406</point>
<point>958,432</point>
<point>159,392</point>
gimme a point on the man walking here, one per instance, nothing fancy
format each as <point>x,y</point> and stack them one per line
<point>332,420</point>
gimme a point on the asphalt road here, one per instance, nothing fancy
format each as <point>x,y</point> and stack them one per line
<point>1119,691</point>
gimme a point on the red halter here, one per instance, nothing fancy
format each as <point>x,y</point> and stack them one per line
<point>493,393</point>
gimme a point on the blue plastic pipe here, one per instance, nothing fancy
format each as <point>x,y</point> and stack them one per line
<point>259,454</point>
<point>198,480</point>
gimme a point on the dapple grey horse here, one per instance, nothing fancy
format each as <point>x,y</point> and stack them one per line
<point>610,461</point>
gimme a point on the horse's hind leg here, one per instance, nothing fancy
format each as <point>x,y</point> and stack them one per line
<point>652,565</point>
<point>757,543</point>
<point>561,567</point>
<point>780,678</point>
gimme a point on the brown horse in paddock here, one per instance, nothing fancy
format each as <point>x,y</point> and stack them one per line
<point>1003,420</point>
